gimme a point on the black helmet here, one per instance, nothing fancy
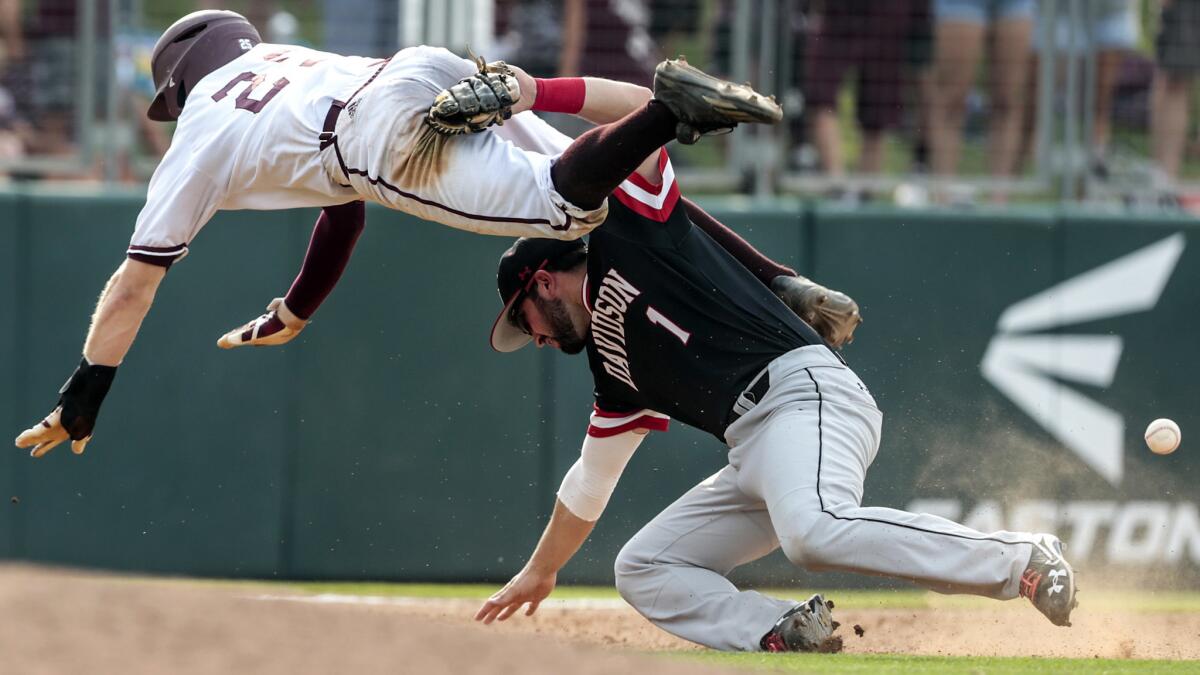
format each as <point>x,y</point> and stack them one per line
<point>191,48</point>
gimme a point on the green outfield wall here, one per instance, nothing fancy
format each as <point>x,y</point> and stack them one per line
<point>1017,357</point>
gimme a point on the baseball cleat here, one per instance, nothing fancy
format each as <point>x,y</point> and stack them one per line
<point>705,104</point>
<point>1049,581</point>
<point>807,627</point>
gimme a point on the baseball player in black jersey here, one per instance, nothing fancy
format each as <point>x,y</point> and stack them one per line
<point>674,327</point>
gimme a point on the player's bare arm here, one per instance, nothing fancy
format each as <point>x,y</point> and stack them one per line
<point>584,493</point>
<point>563,536</point>
<point>119,313</point>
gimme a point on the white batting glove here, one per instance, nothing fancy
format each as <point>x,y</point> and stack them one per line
<point>278,326</point>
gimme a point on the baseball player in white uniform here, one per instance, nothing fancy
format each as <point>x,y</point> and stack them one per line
<point>264,126</point>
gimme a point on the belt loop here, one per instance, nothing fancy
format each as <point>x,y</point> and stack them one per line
<point>752,395</point>
<point>327,136</point>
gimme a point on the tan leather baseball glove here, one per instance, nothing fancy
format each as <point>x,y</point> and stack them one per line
<point>833,314</point>
<point>476,102</point>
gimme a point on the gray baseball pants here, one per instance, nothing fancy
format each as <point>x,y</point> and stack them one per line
<point>797,461</point>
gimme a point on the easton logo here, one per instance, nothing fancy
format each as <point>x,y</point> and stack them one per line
<point>1027,367</point>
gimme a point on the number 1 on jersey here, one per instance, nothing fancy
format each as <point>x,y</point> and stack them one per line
<point>659,319</point>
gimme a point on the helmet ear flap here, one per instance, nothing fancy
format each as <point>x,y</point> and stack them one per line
<point>181,95</point>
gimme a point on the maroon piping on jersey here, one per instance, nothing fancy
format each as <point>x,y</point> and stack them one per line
<point>328,138</point>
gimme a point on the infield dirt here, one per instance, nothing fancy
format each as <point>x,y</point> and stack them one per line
<point>60,622</point>
<point>1008,629</point>
<point>70,622</point>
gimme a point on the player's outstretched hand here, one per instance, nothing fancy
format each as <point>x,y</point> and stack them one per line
<point>527,587</point>
<point>43,436</point>
<point>833,314</point>
<point>278,326</point>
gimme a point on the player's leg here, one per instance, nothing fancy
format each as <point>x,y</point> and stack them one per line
<point>380,144</point>
<point>673,570</point>
<point>602,158</point>
<point>529,132</point>
<point>805,448</point>
<point>686,103</point>
<point>482,183</point>
<point>958,46</point>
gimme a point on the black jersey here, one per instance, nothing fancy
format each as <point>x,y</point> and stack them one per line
<point>678,325</point>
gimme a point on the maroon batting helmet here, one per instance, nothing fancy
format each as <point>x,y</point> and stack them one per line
<point>193,47</point>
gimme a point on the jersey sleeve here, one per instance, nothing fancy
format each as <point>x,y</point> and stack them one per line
<point>616,419</point>
<point>590,482</point>
<point>180,200</point>
<point>655,202</point>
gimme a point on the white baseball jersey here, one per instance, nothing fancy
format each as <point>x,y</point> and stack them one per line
<point>251,137</point>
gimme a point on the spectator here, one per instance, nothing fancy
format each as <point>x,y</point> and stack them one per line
<point>12,40</point>
<point>12,54</point>
<point>610,39</point>
<point>530,32</point>
<point>872,39</point>
<point>1110,28</point>
<point>135,84</point>
<point>960,29</point>
<point>1177,49</point>
<point>48,87</point>
<point>12,145</point>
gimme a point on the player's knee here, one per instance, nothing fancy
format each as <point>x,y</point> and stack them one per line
<point>795,548</point>
<point>802,540</point>
<point>628,569</point>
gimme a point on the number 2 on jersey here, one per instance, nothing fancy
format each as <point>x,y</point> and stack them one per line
<point>659,319</point>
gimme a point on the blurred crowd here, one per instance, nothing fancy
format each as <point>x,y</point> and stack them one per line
<point>897,87</point>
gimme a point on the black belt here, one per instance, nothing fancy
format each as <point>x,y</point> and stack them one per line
<point>751,396</point>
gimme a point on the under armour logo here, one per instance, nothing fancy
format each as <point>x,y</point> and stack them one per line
<point>524,274</point>
<point>1055,587</point>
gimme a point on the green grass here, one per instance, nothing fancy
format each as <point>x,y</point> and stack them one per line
<point>872,663</point>
<point>1136,601</point>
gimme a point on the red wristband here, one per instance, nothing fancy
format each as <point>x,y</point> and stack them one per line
<point>560,94</point>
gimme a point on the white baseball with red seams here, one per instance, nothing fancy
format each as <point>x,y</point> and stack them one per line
<point>1163,436</point>
<point>252,137</point>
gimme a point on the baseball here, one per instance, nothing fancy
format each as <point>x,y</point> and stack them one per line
<point>1163,436</point>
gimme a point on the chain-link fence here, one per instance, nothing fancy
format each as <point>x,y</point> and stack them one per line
<point>916,101</point>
